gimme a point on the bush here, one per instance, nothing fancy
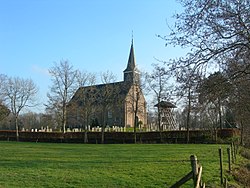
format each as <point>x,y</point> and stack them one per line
<point>196,136</point>
<point>245,153</point>
<point>242,175</point>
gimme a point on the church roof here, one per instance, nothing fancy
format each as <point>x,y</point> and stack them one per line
<point>98,94</point>
<point>108,93</point>
<point>131,60</point>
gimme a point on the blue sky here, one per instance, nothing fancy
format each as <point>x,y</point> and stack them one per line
<point>94,35</point>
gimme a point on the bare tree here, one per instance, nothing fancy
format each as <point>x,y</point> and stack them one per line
<point>4,112</point>
<point>31,120</point>
<point>135,102</point>
<point>215,31</point>
<point>187,83</point>
<point>108,77</point>
<point>3,84</point>
<point>158,81</point>
<point>85,109</point>
<point>106,97</point>
<point>215,89</point>
<point>239,100</point>
<point>62,89</point>
<point>3,79</point>
<point>19,93</point>
<point>83,78</point>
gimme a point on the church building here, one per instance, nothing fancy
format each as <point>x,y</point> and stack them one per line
<point>113,104</point>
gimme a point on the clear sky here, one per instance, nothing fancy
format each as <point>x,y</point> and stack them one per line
<point>94,35</point>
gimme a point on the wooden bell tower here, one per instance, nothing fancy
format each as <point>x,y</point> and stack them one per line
<point>167,117</point>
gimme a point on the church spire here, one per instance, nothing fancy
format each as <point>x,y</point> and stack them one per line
<point>131,59</point>
<point>130,73</point>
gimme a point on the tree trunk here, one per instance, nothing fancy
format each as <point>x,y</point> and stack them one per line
<point>86,130</point>
<point>85,136</point>
<point>135,123</point>
<point>220,118</point>
<point>242,134</point>
<point>135,114</point>
<point>17,129</point>
<point>159,118</point>
<point>216,135</point>
<point>64,118</point>
<point>103,125</point>
<point>188,115</point>
<point>159,121</point>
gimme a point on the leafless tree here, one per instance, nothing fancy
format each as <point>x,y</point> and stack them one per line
<point>187,83</point>
<point>106,96</point>
<point>108,77</point>
<point>215,89</point>
<point>63,87</point>
<point>217,34</point>
<point>85,109</point>
<point>158,81</point>
<point>135,101</point>
<point>239,100</point>
<point>84,78</point>
<point>3,84</point>
<point>214,31</point>
<point>3,79</point>
<point>31,120</point>
<point>4,112</point>
<point>19,93</point>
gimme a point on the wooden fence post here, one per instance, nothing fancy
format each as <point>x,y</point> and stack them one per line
<point>229,159</point>
<point>225,183</point>
<point>199,182</point>
<point>221,166</point>
<point>232,152</point>
<point>195,174</point>
<point>194,166</point>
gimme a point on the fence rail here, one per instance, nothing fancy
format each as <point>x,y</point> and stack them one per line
<point>195,174</point>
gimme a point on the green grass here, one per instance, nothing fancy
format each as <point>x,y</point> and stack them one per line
<point>81,165</point>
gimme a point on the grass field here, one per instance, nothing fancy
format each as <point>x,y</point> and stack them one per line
<point>81,165</point>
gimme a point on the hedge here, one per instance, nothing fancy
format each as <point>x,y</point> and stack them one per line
<point>196,136</point>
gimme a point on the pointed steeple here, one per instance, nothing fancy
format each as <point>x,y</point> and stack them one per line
<point>131,59</point>
<point>130,73</point>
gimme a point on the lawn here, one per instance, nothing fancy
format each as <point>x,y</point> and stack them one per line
<point>82,165</point>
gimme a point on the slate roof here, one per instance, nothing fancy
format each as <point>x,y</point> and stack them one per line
<point>111,92</point>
